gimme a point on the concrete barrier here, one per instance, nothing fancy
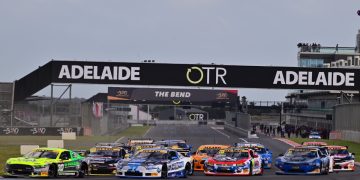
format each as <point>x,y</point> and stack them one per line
<point>68,136</point>
<point>55,143</point>
<point>24,149</point>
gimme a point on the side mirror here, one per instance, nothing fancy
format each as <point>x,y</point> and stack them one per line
<point>281,155</point>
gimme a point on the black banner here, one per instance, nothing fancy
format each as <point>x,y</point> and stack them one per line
<point>39,131</point>
<point>171,96</point>
<point>187,75</point>
<point>205,75</point>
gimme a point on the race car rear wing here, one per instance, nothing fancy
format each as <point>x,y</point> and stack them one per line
<point>132,142</point>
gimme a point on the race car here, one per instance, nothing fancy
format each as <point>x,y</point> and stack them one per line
<point>314,135</point>
<point>234,162</point>
<point>343,159</point>
<point>302,160</point>
<point>324,152</point>
<point>204,152</point>
<point>314,143</point>
<point>103,158</point>
<point>265,153</point>
<point>155,163</point>
<point>46,162</point>
<point>178,145</point>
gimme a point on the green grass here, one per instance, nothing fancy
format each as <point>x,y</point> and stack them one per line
<point>10,145</point>
<point>353,147</point>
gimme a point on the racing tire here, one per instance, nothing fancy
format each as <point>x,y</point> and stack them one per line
<point>52,172</point>
<point>83,171</point>
<point>250,169</point>
<point>327,169</point>
<point>261,170</point>
<point>164,172</point>
<point>192,169</point>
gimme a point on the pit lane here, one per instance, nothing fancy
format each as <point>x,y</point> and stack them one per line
<point>200,134</point>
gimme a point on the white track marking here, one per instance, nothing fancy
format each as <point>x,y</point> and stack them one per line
<point>118,140</point>
<point>221,132</point>
<point>147,131</point>
<point>245,141</point>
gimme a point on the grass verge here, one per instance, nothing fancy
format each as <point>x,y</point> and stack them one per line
<point>353,147</point>
<point>10,145</point>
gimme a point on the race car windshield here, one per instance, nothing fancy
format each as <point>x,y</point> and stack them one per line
<point>42,154</point>
<point>151,155</point>
<point>260,150</point>
<point>301,153</point>
<point>105,153</point>
<point>209,152</point>
<point>237,155</point>
<point>339,151</point>
<point>182,145</point>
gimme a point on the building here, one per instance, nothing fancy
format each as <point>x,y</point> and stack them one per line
<point>315,108</point>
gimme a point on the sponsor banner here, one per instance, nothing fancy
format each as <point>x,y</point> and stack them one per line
<point>170,96</point>
<point>39,131</point>
<point>205,75</point>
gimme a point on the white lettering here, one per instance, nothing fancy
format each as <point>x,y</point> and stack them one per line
<point>321,79</point>
<point>279,77</point>
<point>106,73</point>
<point>294,76</point>
<point>302,78</point>
<point>349,79</point>
<point>64,71</point>
<point>78,75</point>
<point>88,72</point>
<point>135,73</point>
<point>124,73</point>
<point>338,79</point>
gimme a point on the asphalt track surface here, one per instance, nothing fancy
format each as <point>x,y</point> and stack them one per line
<point>198,135</point>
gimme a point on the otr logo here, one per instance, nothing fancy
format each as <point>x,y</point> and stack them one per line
<point>209,72</point>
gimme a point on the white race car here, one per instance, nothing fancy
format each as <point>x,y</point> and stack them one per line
<point>155,163</point>
<point>343,159</point>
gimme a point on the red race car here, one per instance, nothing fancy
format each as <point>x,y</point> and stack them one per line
<point>234,162</point>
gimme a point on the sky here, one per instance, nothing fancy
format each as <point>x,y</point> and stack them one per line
<point>231,32</point>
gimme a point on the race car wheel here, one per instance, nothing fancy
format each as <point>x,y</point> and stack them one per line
<point>82,171</point>
<point>261,170</point>
<point>164,172</point>
<point>192,169</point>
<point>187,170</point>
<point>52,172</point>
<point>327,169</point>
<point>250,169</point>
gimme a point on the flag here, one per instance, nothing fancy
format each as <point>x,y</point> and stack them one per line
<point>98,109</point>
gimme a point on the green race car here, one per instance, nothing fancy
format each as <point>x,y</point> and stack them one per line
<point>47,162</point>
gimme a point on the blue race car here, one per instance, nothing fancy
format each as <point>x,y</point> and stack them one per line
<point>303,160</point>
<point>155,163</point>
<point>265,153</point>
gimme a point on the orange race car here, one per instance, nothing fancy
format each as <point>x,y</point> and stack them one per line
<point>204,152</point>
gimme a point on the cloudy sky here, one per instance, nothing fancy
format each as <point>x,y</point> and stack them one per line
<point>234,32</point>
